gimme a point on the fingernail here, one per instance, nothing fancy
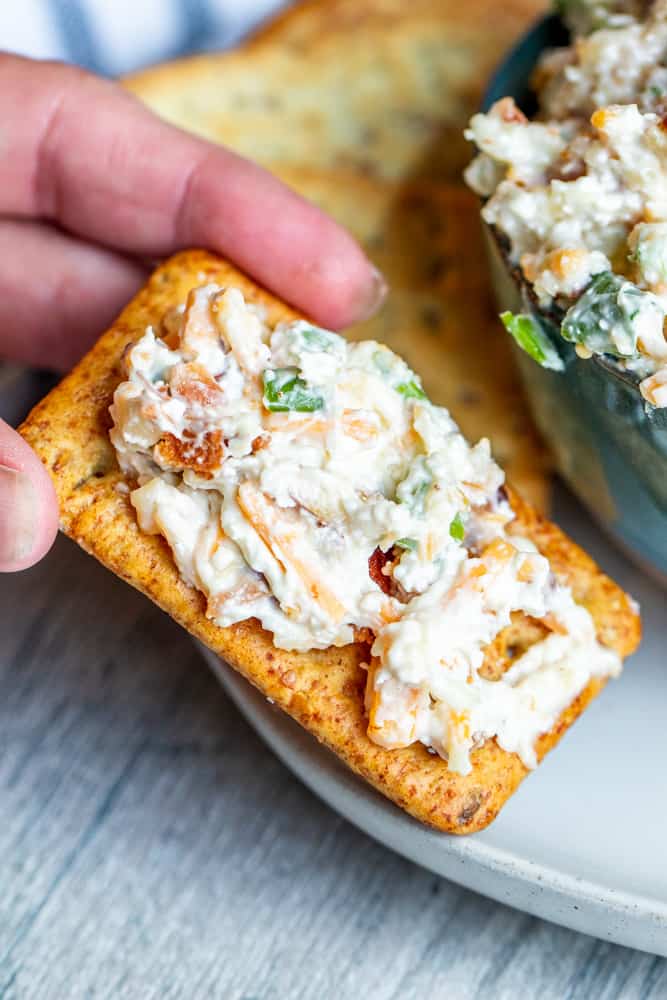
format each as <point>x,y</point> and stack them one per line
<point>376,295</point>
<point>18,515</point>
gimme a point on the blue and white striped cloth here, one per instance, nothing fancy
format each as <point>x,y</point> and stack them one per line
<point>118,36</point>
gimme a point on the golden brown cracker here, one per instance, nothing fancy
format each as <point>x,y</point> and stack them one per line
<point>384,87</point>
<point>322,690</point>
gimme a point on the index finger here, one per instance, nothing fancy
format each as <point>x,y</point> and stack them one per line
<point>88,156</point>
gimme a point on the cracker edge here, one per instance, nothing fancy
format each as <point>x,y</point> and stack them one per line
<point>322,690</point>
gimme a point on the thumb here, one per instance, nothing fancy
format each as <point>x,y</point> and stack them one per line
<point>28,506</point>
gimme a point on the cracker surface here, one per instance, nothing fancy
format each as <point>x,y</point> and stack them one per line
<point>322,690</point>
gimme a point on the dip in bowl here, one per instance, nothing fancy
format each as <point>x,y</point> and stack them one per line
<point>592,331</point>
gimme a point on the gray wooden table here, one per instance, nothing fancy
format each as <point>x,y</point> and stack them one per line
<point>151,846</point>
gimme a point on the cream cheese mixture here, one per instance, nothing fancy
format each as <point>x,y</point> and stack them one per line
<point>308,482</point>
<point>580,193</point>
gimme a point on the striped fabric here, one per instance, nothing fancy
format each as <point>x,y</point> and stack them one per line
<point>118,36</point>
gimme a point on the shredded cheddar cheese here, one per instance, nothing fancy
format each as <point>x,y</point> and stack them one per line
<point>309,483</point>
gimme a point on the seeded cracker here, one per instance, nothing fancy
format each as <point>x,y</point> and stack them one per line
<point>323,690</point>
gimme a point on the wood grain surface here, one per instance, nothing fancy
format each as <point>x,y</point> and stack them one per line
<point>152,847</point>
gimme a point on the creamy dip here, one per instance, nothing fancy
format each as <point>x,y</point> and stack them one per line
<point>309,483</point>
<point>580,193</point>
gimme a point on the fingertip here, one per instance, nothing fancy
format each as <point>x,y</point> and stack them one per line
<point>357,298</point>
<point>332,279</point>
<point>326,272</point>
<point>28,504</point>
<point>284,241</point>
<point>48,515</point>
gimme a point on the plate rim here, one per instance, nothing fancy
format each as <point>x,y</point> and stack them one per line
<point>581,904</point>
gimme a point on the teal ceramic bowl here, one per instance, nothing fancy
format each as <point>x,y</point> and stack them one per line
<point>609,448</point>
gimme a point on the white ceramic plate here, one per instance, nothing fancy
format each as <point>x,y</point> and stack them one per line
<point>584,840</point>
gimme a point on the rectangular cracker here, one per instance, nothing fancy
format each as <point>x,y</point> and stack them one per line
<point>322,690</point>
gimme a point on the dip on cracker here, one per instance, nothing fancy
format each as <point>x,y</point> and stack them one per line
<point>299,504</point>
<point>309,483</point>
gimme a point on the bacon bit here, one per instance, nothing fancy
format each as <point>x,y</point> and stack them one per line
<point>194,383</point>
<point>507,110</point>
<point>379,570</point>
<point>376,564</point>
<point>204,456</point>
<point>567,168</point>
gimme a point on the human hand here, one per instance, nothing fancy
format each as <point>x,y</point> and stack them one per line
<point>92,187</point>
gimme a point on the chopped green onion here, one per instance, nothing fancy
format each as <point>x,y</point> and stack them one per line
<point>603,318</point>
<point>411,390</point>
<point>457,528</point>
<point>285,391</point>
<point>316,339</point>
<point>407,543</point>
<point>382,360</point>
<point>414,495</point>
<point>531,338</point>
<point>414,489</point>
<point>421,491</point>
